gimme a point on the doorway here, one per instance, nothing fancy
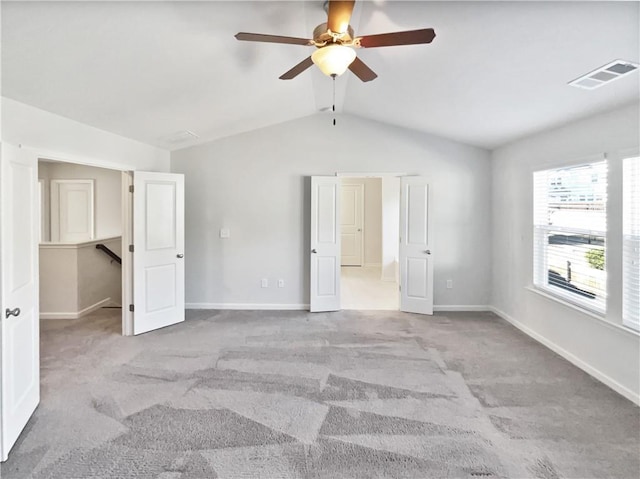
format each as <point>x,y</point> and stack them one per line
<point>80,250</point>
<point>406,245</point>
<point>365,216</point>
<point>157,209</point>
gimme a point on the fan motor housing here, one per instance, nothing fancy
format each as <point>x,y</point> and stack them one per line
<point>321,35</point>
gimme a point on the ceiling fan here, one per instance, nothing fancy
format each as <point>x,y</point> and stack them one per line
<point>336,43</point>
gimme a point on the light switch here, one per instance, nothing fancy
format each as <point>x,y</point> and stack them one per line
<point>225,233</point>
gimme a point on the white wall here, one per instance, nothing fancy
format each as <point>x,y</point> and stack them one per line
<point>99,277</point>
<point>604,348</point>
<point>76,279</point>
<point>107,192</point>
<point>372,221</point>
<point>390,228</point>
<point>256,184</point>
<point>59,138</point>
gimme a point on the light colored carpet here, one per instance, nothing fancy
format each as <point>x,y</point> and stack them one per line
<point>296,395</point>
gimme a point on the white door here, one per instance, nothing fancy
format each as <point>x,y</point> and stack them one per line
<point>351,219</point>
<point>20,318</point>
<point>72,211</point>
<point>325,244</point>
<point>158,239</point>
<point>416,259</point>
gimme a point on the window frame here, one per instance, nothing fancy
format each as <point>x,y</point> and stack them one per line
<point>540,277</point>
<point>631,323</point>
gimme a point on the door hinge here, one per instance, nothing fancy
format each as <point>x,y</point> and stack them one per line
<point>131,308</point>
<point>130,188</point>
<point>399,287</point>
<point>130,248</point>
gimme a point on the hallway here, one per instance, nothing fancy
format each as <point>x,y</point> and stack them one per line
<point>362,288</point>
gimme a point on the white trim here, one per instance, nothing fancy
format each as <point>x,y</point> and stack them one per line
<point>569,299</point>
<point>127,257</point>
<point>249,306</point>
<point>76,315</point>
<point>304,307</point>
<point>42,210</point>
<point>84,244</point>
<point>368,175</point>
<point>461,307</point>
<point>48,155</point>
<point>587,312</point>
<point>600,376</point>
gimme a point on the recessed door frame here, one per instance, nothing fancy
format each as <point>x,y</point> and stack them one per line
<point>126,218</point>
<point>381,175</point>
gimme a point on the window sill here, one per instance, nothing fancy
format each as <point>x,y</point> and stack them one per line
<point>592,314</point>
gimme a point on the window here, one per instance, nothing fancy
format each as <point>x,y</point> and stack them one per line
<point>570,227</point>
<point>631,243</point>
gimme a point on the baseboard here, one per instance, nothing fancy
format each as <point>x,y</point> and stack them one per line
<point>304,307</point>
<point>573,359</point>
<point>461,307</point>
<point>248,306</point>
<point>77,314</point>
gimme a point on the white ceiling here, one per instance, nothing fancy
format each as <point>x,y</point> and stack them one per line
<point>496,71</point>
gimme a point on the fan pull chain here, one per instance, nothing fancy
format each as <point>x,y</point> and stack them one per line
<point>333,108</point>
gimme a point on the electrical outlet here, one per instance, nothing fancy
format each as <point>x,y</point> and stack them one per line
<point>265,283</point>
<point>225,233</point>
<point>449,284</point>
<point>281,283</point>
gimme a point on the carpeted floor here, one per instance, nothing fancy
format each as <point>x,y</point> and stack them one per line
<point>232,394</point>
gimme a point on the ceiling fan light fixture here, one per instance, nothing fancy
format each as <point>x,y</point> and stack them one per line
<point>333,59</point>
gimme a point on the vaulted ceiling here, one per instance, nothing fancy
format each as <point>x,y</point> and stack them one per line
<point>495,72</point>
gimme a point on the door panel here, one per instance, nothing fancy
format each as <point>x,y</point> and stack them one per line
<point>351,222</point>
<point>158,238</point>
<point>325,244</point>
<point>417,204</point>
<point>326,276</point>
<point>416,258</point>
<point>19,257</point>
<point>72,204</point>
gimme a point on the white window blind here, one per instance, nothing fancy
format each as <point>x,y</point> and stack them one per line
<point>570,228</point>
<point>631,243</point>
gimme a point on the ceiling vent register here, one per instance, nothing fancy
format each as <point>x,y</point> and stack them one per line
<point>605,74</point>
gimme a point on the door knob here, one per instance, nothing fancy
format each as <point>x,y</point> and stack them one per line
<point>179,255</point>
<point>314,251</point>
<point>427,251</point>
<point>359,229</point>
<point>12,312</point>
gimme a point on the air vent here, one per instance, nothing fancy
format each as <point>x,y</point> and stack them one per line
<point>605,74</point>
<point>180,137</point>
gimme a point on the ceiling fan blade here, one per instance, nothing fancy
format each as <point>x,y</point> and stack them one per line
<point>339,15</point>
<point>410,37</point>
<point>299,68</point>
<point>362,71</point>
<point>259,37</point>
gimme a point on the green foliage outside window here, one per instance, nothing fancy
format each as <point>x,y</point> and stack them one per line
<point>595,257</point>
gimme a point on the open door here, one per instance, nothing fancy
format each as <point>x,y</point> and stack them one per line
<point>325,244</point>
<point>20,317</point>
<point>158,239</point>
<point>416,260</point>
